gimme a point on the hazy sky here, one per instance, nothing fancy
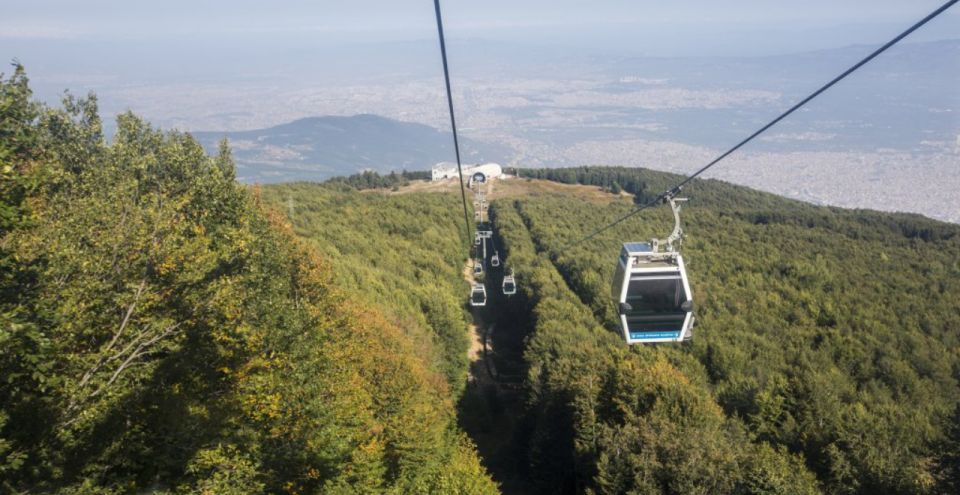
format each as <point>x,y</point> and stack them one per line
<point>110,46</point>
<point>248,64</point>
<point>381,20</point>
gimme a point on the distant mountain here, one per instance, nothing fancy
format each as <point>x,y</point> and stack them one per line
<point>317,148</point>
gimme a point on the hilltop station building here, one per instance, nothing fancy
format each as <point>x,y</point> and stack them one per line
<point>473,173</point>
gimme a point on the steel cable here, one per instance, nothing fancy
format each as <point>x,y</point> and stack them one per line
<point>675,189</point>
<point>453,120</point>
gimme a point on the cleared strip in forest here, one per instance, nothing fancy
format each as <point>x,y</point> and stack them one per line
<point>563,334</point>
<point>493,403</point>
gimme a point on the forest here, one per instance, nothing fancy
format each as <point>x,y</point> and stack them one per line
<point>167,330</point>
<point>825,359</point>
<point>370,179</point>
<point>613,179</point>
<point>402,254</point>
<point>164,331</point>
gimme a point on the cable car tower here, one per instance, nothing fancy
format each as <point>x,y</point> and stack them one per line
<point>651,290</point>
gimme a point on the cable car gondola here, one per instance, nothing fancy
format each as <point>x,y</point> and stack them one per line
<point>495,260</point>
<point>478,267</point>
<point>509,285</point>
<point>651,290</point>
<point>478,295</point>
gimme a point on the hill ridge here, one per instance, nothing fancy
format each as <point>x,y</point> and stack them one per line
<point>319,147</point>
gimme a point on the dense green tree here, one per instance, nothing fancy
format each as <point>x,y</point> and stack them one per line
<point>401,253</point>
<point>948,457</point>
<point>370,179</point>
<point>164,331</point>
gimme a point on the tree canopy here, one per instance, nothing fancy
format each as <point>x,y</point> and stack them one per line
<point>826,357</point>
<point>167,330</point>
<point>164,331</point>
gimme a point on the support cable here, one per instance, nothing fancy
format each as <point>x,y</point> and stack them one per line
<point>675,189</point>
<point>453,120</point>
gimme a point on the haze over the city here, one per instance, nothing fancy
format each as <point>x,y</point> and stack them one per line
<point>538,83</point>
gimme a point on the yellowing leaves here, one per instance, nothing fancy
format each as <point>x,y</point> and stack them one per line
<point>263,407</point>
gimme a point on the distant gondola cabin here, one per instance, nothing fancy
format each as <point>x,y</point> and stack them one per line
<point>478,295</point>
<point>509,285</point>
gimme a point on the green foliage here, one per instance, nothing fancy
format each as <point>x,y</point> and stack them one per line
<point>613,179</point>
<point>826,355</point>
<point>223,470</point>
<point>370,179</point>
<point>18,146</point>
<point>948,458</point>
<point>402,254</point>
<point>162,331</point>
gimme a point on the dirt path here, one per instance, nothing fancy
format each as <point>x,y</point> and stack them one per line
<point>491,406</point>
<point>489,410</point>
<point>479,371</point>
<point>475,352</point>
<point>480,330</point>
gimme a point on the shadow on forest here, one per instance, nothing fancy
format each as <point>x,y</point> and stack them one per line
<point>491,408</point>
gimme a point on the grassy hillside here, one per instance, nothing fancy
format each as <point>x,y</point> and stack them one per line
<point>826,357</point>
<point>164,332</point>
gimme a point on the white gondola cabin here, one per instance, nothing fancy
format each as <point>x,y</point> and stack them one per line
<point>509,285</point>
<point>653,296</point>
<point>478,295</point>
<point>495,260</point>
<point>651,290</point>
